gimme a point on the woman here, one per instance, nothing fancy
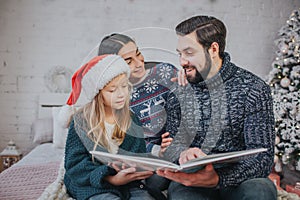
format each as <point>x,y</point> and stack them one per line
<point>105,123</point>
<point>151,98</point>
<point>152,87</point>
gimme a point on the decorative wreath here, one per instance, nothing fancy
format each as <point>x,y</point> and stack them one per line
<point>58,79</point>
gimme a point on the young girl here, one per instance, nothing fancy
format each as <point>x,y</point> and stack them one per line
<point>105,123</point>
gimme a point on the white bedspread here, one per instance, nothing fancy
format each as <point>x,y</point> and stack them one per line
<point>42,154</point>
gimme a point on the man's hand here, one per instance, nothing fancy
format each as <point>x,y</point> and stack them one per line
<point>206,177</point>
<point>190,154</point>
<point>181,78</point>
<point>166,141</point>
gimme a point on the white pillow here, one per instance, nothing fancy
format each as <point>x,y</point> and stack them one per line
<point>42,130</point>
<point>59,132</point>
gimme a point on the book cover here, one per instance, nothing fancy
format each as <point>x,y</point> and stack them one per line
<point>154,163</point>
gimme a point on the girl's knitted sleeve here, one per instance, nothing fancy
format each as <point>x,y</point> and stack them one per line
<point>80,169</point>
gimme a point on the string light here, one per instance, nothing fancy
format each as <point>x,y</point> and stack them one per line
<point>285,85</point>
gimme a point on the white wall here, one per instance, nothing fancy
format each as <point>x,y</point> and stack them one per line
<point>37,35</point>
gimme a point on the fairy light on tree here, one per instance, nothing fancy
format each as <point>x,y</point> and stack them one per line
<point>284,80</point>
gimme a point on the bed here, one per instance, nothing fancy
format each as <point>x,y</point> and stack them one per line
<point>28,178</point>
<point>39,174</point>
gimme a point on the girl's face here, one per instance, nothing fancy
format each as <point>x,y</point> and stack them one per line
<point>116,93</point>
<point>131,54</point>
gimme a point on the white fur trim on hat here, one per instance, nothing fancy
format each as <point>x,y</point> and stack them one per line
<point>102,73</point>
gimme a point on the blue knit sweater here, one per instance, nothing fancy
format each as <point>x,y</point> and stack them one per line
<point>84,177</point>
<point>231,111</point>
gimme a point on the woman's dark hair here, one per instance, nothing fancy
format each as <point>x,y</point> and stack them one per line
<point>208,30</point>
<point>112,44</point>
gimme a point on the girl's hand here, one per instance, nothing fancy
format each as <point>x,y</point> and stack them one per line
<point>127,175</point>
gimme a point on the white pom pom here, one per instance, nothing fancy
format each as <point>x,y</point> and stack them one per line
<point>65,113</point>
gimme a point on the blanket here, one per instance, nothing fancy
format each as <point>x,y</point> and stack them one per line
<point>27,181</point>
<point>284,195</point>
<point>57,190</point>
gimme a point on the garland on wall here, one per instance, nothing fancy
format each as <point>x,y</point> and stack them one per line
<point>284,80</point>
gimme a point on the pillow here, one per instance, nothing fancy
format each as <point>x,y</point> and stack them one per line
<point>42,130</point>
<point>59,132</point>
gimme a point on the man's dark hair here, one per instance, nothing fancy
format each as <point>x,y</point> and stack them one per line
<point>112,44</point>
<point>208,30</point>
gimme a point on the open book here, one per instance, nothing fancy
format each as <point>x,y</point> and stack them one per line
<point>152,164</point>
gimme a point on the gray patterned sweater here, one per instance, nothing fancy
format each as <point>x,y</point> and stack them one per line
<point>232,111</point>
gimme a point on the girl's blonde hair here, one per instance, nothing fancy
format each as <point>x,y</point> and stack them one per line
<point>94,114</point>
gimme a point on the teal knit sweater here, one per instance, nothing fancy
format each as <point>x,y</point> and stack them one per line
<point>84,177</point>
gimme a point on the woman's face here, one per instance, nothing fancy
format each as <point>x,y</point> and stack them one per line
<point>135,60</point>
<point>116,92</point>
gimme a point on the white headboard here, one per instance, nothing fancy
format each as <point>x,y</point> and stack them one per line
<point>49,100</point>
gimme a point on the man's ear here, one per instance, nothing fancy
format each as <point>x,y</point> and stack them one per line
<point>214,49</point>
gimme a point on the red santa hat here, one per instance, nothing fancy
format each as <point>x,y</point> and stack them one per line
<point>91,78</point>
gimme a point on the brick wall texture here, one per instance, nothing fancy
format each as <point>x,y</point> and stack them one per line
<point>38,35</point>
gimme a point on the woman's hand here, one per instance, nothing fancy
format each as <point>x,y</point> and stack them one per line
<point>181,78</point>
<point>166,141</point>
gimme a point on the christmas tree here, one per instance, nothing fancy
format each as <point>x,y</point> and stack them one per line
<point>284,80</point>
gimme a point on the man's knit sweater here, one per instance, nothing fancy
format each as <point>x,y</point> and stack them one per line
<point>85,177</point>
<point>231,111</point>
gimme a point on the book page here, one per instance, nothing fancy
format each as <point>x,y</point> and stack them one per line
<point>220,158</point>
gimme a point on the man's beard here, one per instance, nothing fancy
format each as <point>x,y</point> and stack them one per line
<point>199,77</point>
<point>195,79</point>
